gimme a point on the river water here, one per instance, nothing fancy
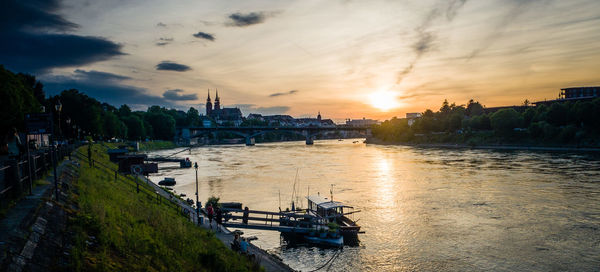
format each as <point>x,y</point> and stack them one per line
<point>422,209</point>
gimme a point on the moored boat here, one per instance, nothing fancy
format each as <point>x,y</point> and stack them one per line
<point>167,182</point>
<point>334,211</point>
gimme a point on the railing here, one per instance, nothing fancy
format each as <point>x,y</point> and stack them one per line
<point>17,175</point>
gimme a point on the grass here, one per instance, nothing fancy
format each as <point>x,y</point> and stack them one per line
<point>117,229</point>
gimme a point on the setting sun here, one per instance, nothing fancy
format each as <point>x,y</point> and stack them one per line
<point>384,100</point>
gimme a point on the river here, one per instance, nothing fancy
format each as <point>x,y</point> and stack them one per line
<point>423,209</point>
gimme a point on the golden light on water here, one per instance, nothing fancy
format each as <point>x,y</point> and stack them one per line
<point>384,100</point>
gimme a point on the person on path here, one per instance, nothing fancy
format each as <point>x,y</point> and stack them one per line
<point>211,213</point>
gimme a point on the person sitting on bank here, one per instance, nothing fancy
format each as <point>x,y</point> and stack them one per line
<point>235,246</point>
<point>244,246</point>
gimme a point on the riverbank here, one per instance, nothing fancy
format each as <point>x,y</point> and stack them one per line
<point>493,147</point>
<point>120,228</point>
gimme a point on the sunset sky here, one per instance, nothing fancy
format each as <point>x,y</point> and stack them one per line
<point>347,59</point>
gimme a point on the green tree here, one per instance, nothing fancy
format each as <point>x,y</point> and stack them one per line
<point>135,127</point>
<point>193,117</point>
<point>474,108</point>
<point>505,121</point>
<point>16,99</point>
<point>163,125</point>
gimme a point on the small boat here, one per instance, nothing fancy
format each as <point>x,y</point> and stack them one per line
<point>167,182</point>
<point>326,241</point>
<point>334,211</point>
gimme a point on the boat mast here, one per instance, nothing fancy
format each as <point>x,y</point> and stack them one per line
<point>331,192</point>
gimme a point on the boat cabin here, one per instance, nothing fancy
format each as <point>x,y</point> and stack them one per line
<point>326,208</point>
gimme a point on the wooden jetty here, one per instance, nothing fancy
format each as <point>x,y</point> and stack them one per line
<point>183,163</point>
<point>287,222</point>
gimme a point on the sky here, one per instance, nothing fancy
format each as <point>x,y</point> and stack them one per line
<point>343,58</point>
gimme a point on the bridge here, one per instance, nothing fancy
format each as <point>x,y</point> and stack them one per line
<point>249,133</point>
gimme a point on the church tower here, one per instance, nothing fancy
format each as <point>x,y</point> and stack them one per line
<point>319,116</point>
<point>209,104</point>
<point>217,101</point>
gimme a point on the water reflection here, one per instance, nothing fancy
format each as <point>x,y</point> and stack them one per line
<point>385,193</point>
<point>422,209</point>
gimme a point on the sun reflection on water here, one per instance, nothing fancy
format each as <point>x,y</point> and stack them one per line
<point>386,191</point>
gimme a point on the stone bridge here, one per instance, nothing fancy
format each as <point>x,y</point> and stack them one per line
<point>249,133</point>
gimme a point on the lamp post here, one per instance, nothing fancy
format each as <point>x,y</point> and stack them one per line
<point>68,121</point>
<point>197,202</point>
<point>58,108</point>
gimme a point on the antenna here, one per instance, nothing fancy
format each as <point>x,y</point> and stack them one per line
<point>280,200</point>
<point>331,192</point>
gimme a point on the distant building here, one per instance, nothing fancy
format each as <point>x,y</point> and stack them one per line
<point>314,122</point>
<point>361,122</point>
<point>579,92</point>
<point>412,116</point>
<point>222,115</point>
<point>573,94</point>
<point>278,120</point>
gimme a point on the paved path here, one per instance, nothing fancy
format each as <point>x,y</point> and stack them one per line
<point>30,230</point>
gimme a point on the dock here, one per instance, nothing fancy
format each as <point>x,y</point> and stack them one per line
<point>266,260</point>
<point>183,163</point>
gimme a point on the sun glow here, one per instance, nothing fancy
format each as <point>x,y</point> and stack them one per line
<point>384,100</point>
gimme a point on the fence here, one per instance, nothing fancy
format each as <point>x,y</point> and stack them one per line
<point>17,176</point>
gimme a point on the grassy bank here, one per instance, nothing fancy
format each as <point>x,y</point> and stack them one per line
<point>117,229</point>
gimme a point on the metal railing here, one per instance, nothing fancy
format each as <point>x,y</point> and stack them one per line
<point>18,175</point>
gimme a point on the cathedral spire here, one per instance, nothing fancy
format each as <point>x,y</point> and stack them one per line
<point>209,106</point>
<point>217,101</point>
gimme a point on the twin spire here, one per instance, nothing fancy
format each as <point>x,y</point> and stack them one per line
<point>209,105</point>
<point>216,94</point>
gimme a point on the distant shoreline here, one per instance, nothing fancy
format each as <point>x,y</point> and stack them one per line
<point>496,147</point>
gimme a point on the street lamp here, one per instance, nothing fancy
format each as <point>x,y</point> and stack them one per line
<point>68,124</point>
<point>58,108</point>
<point>197,202</point>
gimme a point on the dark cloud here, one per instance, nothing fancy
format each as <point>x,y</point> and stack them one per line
<point>283,93</point>
<point>252,108</point>
<point>204,35</point>
<point>176,95</point>
<point>94,75</point>
<point>35,39</point>
<point>33,15</point>
<point>241,20</point>
<point>172,66</point>
<point>161,24</point>
<point>164,41</point>
<point>110,91</point>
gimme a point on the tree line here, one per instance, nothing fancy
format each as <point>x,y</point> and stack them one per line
<point>560,123</point>
<point>82,115</point>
